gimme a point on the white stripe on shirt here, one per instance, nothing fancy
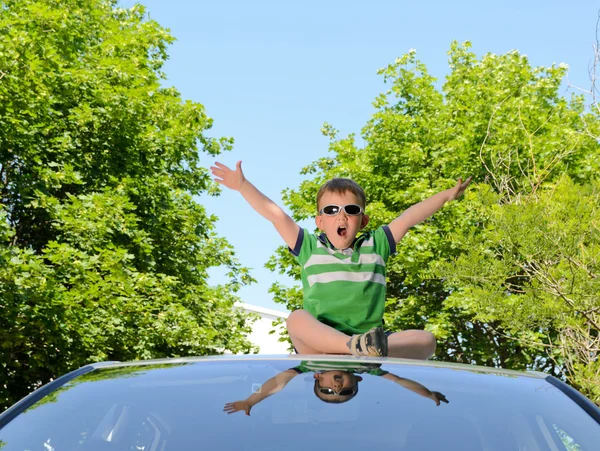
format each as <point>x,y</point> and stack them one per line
<point>317,259</point>
<point>346,276</point>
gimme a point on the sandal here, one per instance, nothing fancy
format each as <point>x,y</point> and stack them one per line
<point>373,343</point>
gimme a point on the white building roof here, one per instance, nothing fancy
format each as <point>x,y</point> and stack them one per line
<point>268,343</point>
<point>262,310</point>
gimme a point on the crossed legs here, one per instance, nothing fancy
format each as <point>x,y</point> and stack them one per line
<point>310,336</point>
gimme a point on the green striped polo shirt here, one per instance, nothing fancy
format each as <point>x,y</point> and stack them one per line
<point>345,290</point>
<point>307,366</point>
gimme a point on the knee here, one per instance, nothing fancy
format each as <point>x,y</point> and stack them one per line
<point>429,344</point>
<point>293,318</point>
<point>290,319</point>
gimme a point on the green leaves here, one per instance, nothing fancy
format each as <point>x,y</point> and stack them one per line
<point>472,273</point>
<point>103,251</point>
<point>535,269</point>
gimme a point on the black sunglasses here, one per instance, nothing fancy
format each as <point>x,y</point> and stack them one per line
<point>334,210</point>
<point>331,391</point>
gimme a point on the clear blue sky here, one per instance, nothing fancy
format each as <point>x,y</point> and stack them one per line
<point>270,73</point>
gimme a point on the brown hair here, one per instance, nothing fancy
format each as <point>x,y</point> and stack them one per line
<point>341,186</point>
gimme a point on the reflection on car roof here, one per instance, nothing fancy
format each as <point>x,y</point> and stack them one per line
<point>296,402</point>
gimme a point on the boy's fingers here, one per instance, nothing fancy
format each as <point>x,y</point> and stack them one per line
<point>221,166</point>
<point>238,165</point>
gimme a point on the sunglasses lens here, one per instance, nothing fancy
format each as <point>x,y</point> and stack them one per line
<point>331,210</point>
<point>329,391</point>
<point>326,391</point>
<point>352,209</point>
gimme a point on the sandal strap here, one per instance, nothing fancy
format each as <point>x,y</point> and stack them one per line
<point>370,343</point>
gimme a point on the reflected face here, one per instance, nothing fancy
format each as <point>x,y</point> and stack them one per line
<point>336,385</point>
<point>342,228</point>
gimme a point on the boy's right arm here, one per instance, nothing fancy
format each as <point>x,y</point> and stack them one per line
<point>235,180</point>
<point>269,388</point>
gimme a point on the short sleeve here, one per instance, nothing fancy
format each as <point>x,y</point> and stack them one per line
<point>384,242</point>
<point>378,372</point>
<point>302,368</point>
<point>296,251</point>
<point>305,245</point>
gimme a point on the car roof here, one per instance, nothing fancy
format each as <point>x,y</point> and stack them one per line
<point>472,368</point>
<point>187,403</point>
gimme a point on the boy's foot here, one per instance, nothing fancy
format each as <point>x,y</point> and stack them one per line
<point>373,343</point>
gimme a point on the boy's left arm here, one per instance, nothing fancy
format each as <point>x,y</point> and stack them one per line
<point>423,210</point>
<point>417,388</point>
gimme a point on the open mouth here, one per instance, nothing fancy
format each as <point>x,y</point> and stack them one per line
<point>341,231</point>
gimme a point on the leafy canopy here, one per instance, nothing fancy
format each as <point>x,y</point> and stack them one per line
<point>506,124</point>
<point>103,250</point>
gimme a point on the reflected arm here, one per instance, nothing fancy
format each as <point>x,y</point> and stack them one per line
<point>417,388</point>
<point>272,386</point>
<point>267,389</point>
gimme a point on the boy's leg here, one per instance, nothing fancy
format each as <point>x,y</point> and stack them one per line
<point>302,348</point>
<point>411,344</point>
<point>310,336</point>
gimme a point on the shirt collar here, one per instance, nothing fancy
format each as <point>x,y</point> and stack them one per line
<point>358,240</point>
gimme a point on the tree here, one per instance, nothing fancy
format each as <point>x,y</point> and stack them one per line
<point>535,268</point>
<point>498,119</point>
<point>103,250</point>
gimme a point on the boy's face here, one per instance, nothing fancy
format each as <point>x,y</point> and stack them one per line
<point>337,384</point>
<point>342,228</point>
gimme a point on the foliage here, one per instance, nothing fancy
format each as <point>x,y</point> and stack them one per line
<point>535,267</point>
<point>99,375</point>
<point>103,250</point>
<point>495,118</point>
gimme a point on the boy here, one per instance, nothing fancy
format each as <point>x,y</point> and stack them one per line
<point>343,277</point>
<point>335,382</point>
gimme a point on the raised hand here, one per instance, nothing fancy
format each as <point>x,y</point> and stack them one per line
<point>437,397</point>
<point>459,188</point>
<point>232,407</point>
<point>233,179</point>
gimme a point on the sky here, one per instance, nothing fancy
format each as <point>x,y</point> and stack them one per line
<point>270,73</point>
